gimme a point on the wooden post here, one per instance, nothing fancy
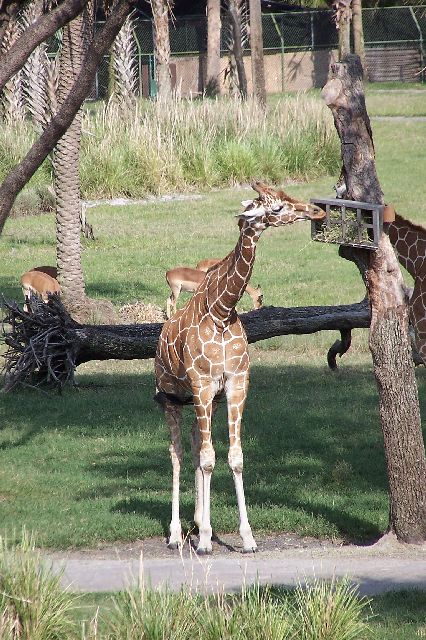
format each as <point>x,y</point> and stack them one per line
<point>256,46</point>
<point>212,87</point>
<point>389,340</point>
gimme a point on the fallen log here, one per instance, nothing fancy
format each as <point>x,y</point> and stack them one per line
<point>46,344</point>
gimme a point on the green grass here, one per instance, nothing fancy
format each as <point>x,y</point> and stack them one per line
<point>382,98</point>
<point>407,103</point>
<point>399,615</point>
<point>92,465</point>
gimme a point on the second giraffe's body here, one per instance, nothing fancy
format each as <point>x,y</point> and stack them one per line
<point>202,355</point>
<point>409,240</point>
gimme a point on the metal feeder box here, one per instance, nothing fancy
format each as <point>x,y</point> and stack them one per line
<point>348,222</point>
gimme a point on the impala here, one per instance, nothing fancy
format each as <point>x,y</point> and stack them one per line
<point>40,283</point>
<point>188,279</point>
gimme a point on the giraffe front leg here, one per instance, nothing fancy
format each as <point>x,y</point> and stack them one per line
<point>173,417</point>
<point>236,391</point>
<point>195,445</point>
<point>204,469</point>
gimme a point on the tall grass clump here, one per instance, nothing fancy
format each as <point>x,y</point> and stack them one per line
<point>322,611</point>
<point>146,614</point>
<point>33,606</point>
<point>256,614</point>
<point>15,140</point>
<point>158,148</point>
<point>330,611</point>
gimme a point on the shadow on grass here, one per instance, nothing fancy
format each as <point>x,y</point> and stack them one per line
<point>119,291</point>
<point>312,444</point>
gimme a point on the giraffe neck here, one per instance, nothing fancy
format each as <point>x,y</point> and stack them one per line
<point>226,284</point>
<point>409,240</point>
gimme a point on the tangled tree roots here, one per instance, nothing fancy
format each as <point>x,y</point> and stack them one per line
<point>38,349</point>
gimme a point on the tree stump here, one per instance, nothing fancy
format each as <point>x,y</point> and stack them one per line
<point>389,339</point>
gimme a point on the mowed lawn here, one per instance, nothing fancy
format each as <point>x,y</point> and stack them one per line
<point>92,465</point>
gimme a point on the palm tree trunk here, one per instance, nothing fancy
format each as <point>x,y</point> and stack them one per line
<point>358,34</point>
<point>66,168</point>
<point>213,47</point>
<point>235,19</point>
<point>160,14</point>
<point>256,46</point>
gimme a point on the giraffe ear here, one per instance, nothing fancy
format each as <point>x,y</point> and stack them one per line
<point>251,213</point>
<point>277,207</point>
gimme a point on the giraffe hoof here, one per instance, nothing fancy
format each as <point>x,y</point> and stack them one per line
<point>173,546</point>
<point>250,550</point>
<point>203,551</point>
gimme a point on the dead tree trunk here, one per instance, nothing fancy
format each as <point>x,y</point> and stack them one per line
<point>389,340</point>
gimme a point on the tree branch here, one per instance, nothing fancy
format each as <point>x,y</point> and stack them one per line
<point>19,175</point>
<point>43,28</point>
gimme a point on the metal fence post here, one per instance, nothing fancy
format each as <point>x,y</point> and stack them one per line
<point>139,61</point>
<point>422,59</point>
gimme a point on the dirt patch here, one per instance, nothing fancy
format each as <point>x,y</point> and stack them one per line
<point>229,545</point>
<point>140,312</point>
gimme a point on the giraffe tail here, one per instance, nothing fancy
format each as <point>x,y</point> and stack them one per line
<point>163,398</point>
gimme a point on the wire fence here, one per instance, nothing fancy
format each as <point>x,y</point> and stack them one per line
<point>298,45</point>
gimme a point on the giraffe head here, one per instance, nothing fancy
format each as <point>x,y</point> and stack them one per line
<point>275,208</point>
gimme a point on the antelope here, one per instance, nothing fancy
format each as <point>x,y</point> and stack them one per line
<point>188,279</point>
<point>51,271</point>
<point>40,283</point>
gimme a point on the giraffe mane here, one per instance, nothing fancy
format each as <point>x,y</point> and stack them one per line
<point>414,225</point>
<point>261,187</point>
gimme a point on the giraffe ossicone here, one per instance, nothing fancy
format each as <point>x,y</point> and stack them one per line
<point>202,355</point>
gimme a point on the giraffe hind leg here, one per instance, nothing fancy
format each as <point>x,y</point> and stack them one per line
<point>195,446</point>
<point>173,414</point>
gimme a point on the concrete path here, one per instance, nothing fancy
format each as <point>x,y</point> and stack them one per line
<point>375,569</point>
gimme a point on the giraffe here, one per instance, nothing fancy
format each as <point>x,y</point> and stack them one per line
<point>409,241</point>
<point>202,354</point>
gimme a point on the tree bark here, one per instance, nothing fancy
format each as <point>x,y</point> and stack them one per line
<point>160,15</point>
<point>389,340</point>
<point>358,35</point>
<point>34,35</point>
<point>342,17</point>
<point>237,47</point>
<point>129,342</point>
<point>213,48</point>
<point>256,46</point>
<point>76,37</point>
<point>18,177</point>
